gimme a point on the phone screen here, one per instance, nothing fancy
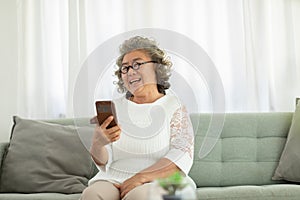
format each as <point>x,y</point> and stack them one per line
<point>104,110</point>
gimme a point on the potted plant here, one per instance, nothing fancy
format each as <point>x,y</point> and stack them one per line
<point>171,184</point>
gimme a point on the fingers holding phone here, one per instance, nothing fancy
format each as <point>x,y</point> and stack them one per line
<point>106,135</point>
<point>113,133</point>
<point>107,129</point>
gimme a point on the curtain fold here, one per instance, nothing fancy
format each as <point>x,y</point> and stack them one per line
<point>42,66</point>
<point>255,46</point>
<point>271,54</point>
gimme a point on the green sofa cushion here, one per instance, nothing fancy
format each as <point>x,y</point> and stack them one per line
<point>250,192</point>
<point>39,196</point>
<point>45,157</point>
<point>247,151</point>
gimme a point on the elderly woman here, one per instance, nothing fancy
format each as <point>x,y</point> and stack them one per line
<point>154,137</point>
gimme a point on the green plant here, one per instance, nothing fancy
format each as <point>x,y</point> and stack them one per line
<point>172,183</point>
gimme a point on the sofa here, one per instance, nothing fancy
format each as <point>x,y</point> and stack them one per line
<point>241,164</point>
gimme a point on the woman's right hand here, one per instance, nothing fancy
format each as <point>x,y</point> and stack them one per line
<point>104,136</point>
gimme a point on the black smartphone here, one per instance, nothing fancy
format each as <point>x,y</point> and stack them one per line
<point>104,110</point>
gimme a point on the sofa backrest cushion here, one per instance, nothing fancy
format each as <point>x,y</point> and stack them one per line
<point>289,163</point>
<point>45,157</point>
<point>247,151</point>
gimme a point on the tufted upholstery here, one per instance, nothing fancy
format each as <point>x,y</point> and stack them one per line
<point>247,152</point>
<point>244,159</point>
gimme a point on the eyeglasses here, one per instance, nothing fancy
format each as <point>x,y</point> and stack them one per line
<point>136,65</point>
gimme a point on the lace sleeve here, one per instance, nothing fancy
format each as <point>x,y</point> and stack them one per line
<point>182,136</point>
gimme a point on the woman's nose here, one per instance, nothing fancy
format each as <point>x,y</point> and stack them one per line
<point>131,71</point>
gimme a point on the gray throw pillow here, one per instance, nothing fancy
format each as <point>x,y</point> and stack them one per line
<point>289,163</point>
<point>45,157</point>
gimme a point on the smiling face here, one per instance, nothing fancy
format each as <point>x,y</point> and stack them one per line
<point>136,80</point>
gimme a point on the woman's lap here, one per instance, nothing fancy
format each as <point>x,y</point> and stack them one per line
<point>104,190</point>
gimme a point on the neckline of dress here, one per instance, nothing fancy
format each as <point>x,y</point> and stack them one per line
<point>143,104</point>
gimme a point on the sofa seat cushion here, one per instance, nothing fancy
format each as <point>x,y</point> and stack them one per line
<point>250,192</point>
<point>39,196</point>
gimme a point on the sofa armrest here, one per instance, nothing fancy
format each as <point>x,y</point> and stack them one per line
<point>3,148</point>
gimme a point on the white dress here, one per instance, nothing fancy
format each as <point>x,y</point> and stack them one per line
<point>149,132</point>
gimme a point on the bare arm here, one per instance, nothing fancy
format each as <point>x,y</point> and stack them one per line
<point>102,137</point>
<point>99,154</point>
<point>161,169</point>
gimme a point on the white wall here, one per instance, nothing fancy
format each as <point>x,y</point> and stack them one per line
<point>8,66</point>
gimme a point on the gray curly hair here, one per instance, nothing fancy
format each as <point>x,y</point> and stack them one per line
<point>150,47</point>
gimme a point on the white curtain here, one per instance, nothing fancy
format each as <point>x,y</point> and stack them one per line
<point>254,44</point>
<point>42,58</point>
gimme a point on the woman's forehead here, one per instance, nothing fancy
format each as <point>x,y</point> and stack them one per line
<point>135,55</point>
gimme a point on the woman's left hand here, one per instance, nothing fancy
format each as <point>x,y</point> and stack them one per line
<point>130,184</point>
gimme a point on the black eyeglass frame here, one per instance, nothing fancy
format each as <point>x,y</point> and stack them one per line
<point>135,66</point>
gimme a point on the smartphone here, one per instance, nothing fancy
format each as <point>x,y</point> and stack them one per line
<point>104,110</point>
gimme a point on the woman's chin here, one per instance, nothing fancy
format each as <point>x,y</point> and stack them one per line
<point>137,90</point>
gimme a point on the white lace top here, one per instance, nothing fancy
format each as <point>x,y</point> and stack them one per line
<point>149,132</point>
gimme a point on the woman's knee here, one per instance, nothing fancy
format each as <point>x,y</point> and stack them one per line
<point>138,193</point>
<point>101,190</point>
<point>90,193</point>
